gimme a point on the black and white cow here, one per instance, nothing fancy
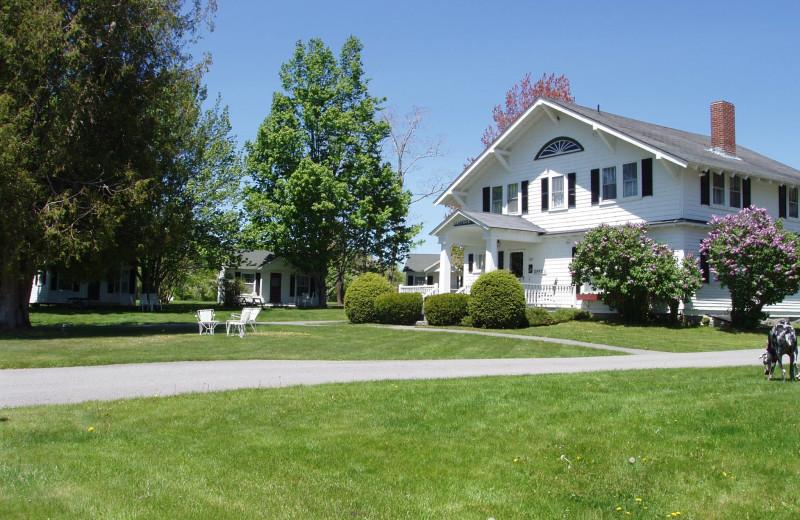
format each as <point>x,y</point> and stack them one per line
<point>782,341</point>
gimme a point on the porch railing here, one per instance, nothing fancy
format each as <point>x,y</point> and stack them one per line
<point>543,295</point>
<point>425,290</point>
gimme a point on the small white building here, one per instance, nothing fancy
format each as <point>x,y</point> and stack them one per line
<point>561,169</point>
<point>117,287</point>
<point>423,269</point>
<point>272,280</point>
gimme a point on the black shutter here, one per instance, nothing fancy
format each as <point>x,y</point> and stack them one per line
<point>595,187</point>
<point>410,280</point>
<point>258,284</point>
<point>570,190</point>
<point>487,201</point>
<point>782,201</point>
<point>76,286</point>
<point>54,281</point>
<point>524,196</point>
<point>545,194</point>
<point>705,269</point>
<point>292,283</point>
<point>471,260</point>
<point>647,177</point>
<point>132,282</point>
<point>500,259</point>
<point>705,189</point>
<point>746,199</point>
<point>429,280</point>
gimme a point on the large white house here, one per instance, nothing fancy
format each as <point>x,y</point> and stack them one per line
<point>561,169</point>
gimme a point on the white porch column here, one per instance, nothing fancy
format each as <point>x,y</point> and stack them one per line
<point>491,255</point>
<point>444,269</point>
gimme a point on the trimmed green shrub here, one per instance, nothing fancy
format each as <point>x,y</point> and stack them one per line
<point>564,315</point>
<point>446,309</point>
<point>359,300</point>
<point>497,301</point>
<point>538,317</point>
<point>398,309</point>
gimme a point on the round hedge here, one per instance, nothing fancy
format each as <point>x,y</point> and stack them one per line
<point>497,301</point>
<point>359,300</point>
<point>398,309</point>
<point>446,309</point>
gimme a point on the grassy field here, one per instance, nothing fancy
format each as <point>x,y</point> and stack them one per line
<point>710,444</point>
<point>101,337</point>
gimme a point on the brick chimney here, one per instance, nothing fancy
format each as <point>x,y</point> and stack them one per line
<point>723,127</point>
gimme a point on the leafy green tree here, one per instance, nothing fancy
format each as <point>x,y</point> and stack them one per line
<point>633,272</point>
<point>756,259</point>
<point>321,195</point>
<point>84,87</point>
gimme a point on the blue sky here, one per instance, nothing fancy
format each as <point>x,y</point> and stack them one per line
<point>660,62</point>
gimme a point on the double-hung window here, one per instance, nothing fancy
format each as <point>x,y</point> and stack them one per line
<point>718,189</point>
<point>497,199</point>
<point>793,202</point>
<point>630,180</point>
<point>513,199</point>
<point>610,183</point>
<point>557,192</point>
<point>735,192</point>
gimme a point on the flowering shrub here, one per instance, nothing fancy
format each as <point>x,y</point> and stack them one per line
<point>756,259</point>
<point>633,272</point>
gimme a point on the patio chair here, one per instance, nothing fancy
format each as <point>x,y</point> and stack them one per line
<point>154,302</point>
<point>206,321</point>
<point>143,303</point>
<point>238,322</point>
<point>249,317</point>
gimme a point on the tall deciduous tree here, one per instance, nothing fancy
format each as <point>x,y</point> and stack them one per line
<point>84,87</point>
<point>321,194</point>
<point>521,96</point>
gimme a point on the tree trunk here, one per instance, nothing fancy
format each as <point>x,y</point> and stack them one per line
<point>322,291</point>
<point>15,294</point>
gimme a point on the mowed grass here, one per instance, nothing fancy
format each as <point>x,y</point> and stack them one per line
<point>652,336</point>
<point>92,345</point>
<point>708,444</point>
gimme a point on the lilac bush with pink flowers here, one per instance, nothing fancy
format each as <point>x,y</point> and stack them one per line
<point>756,259</point>
<point>634,273</point>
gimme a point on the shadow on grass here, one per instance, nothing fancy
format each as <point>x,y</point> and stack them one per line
<point>59,332</point>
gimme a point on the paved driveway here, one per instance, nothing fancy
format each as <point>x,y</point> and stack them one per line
<point>23,387</point>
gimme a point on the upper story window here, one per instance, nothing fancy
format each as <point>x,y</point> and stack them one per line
<point>630,179</point>
<point>793,203</point>
<point>558,191</point>
<point>735,192</point>
<point>512,201</point>
<point>559,146</point>
<point>718,189</point>
<point>497,199</point>
<point>610,183</point>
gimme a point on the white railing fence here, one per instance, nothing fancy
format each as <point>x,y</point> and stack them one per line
<point>543,295</point>
<point>425,290</point>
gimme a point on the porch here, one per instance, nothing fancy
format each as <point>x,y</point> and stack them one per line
<point>536,295</point>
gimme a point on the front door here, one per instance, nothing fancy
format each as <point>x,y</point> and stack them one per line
<point>94,291</point>
<point>516,263</point>
<point>275,287</point>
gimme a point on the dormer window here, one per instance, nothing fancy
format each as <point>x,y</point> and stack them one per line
<point>559,146</point>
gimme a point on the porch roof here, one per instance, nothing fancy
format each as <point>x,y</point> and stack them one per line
<point>491,223</point>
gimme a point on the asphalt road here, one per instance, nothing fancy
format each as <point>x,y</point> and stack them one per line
<point>25,387</point>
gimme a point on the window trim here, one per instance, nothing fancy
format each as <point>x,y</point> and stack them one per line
<point>516,211</point>
<point>721,189</point>
<point>636,180</point>
<point>603,184</point>
<point>493,200</point>
<point>563,192</point>
<point>789,202</point>
<point>558,146</point>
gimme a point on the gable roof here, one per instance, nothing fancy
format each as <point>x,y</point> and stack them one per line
<point>255,259</point>
<point>490,221</point>
<point>421,262</point>
<point>684,149</point>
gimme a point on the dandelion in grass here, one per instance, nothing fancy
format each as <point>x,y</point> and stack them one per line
<point>619,508</point>
<point>638,500</point>
<point>91,429</point>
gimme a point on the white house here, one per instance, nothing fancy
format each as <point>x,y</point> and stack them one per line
<point>561,169</point>
<point>273,280</point>
<point>117,287</point>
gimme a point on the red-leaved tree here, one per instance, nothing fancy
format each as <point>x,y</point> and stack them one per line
<point>521,96</point>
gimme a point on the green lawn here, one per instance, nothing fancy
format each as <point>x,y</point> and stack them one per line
<point>651,337</point>
<point>709,444</point>
<point>94,345</point>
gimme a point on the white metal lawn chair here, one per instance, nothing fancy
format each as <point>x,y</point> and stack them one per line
<point>143,301</point>
<point>205,321</point>
<point>154,301</point>
<point>239,322</point>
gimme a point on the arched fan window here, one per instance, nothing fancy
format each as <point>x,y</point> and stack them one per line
<point>559,146</point>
